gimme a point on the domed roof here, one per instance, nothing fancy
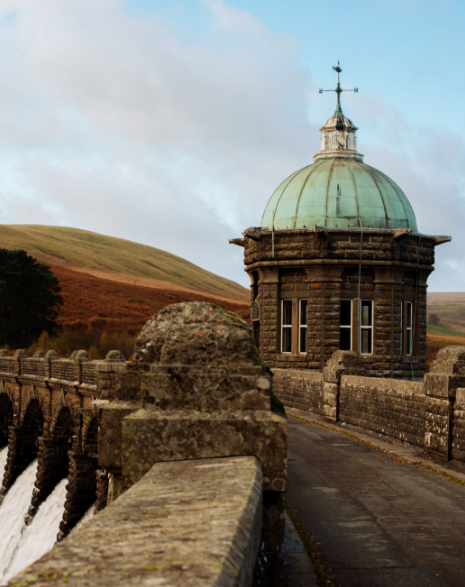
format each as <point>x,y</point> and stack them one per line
<point>338,192</point>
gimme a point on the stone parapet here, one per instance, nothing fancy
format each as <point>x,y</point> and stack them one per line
<point>429,414</point>
<point>196,522</point>
<point>194,390</point>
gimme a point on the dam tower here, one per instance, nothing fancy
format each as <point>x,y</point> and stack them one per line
<point>338,263</point>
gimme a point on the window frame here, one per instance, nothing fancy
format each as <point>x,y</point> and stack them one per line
<point>302,326</point>
<point>350,327</point>
<point>371,328</point>
<point>408,309</point>
<point>283,326</point>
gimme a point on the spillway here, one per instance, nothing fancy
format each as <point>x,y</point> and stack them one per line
<point>20,545</point>
<point>12,513</point>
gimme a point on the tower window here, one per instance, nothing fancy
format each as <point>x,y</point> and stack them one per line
<point>408,331</point>
<point>302,326</point>
<point>346,326</point>
<point>286,326</point>
<point>366,327</point>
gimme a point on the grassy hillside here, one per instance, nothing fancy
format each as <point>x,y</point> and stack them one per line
<point>116,259</point>
<point>99,315</point>
<point>450,307</point>
<point>443,330</point>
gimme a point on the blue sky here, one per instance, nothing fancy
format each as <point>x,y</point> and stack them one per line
<point>171,123</point>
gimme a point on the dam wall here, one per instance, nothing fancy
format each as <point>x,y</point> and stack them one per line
<point>180,447</point>
<point>429,414</point>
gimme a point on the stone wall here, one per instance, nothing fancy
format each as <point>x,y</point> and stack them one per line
<point>458,430</point>
<point>429,414</point>
<point>47,412</point>
<point>323,266</point>
<point>386,406</point>
<point>195,390</point>
<point>299,389</point>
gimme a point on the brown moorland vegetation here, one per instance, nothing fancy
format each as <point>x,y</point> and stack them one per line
<point>99,315</point>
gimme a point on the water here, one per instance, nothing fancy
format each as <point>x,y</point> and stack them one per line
<point>85,518</point>
<point>12,513</point>
<point>21,545</point>
<point>38,538</point>
<point>3,455</point>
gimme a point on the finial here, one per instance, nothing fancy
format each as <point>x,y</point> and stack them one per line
<point>338,90</point>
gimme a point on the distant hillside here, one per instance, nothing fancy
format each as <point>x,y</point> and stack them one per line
<point>118,260</point>
<point>450,307</point>
<point>118,307</point>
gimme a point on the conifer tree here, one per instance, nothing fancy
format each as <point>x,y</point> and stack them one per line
<point>30,299</point>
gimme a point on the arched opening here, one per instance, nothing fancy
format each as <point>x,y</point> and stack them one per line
<point>31,429</point>
<point>82,481</point>
<point>62,439</point>
<point>53,458</point>
<point>6,418</point>
<point>91,440</point>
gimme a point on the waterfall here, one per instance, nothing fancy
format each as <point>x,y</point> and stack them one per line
<point>21,545</point>
<point>85,518</point>
<point>12,513</point>
<point>3,456</point>
<point>38,538</point>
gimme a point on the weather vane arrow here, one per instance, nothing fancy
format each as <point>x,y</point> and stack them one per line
<point>338,89</point>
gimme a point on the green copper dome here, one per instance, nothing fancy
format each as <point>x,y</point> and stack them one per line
<point>338,192</point>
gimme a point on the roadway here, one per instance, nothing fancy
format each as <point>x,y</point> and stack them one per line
<point>377,519</point>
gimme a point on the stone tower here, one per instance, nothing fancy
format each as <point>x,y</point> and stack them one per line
<point>338,263</point>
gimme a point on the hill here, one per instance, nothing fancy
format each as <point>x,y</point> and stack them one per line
<point>112,306</point>
<point>118,260</point>
<point>450,307</point>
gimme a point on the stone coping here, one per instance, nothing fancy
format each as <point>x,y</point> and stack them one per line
<point>190,523</point>
<point>301,373</point>
<point>398,385</point>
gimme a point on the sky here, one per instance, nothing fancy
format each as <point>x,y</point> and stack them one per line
<point>171,123</point>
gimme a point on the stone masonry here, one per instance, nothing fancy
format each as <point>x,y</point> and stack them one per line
<point>323,266</point>
<point>195,523</point>
<point>193,391</point>
<point>429,414</point>
<point>47,412</point>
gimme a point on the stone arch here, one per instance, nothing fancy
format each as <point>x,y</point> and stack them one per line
<point>23,443</point>
<point>82,481</point>
<point>31,429</point>
<point>6,418</point>
<point>90,443</point>
<point>62,437</point>
<point>53,458</point>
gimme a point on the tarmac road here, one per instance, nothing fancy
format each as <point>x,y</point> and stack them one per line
<point>380,521</point>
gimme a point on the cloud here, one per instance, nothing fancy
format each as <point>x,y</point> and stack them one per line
<point>427,164</point>
<point>127,126</point>
<point>113,123</point>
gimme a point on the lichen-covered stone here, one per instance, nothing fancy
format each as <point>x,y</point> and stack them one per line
<point>196,333</point>
<point>195,391</point>
<point>194,523</point>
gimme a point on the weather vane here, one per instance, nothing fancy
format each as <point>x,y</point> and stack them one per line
<point>338,89</point>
